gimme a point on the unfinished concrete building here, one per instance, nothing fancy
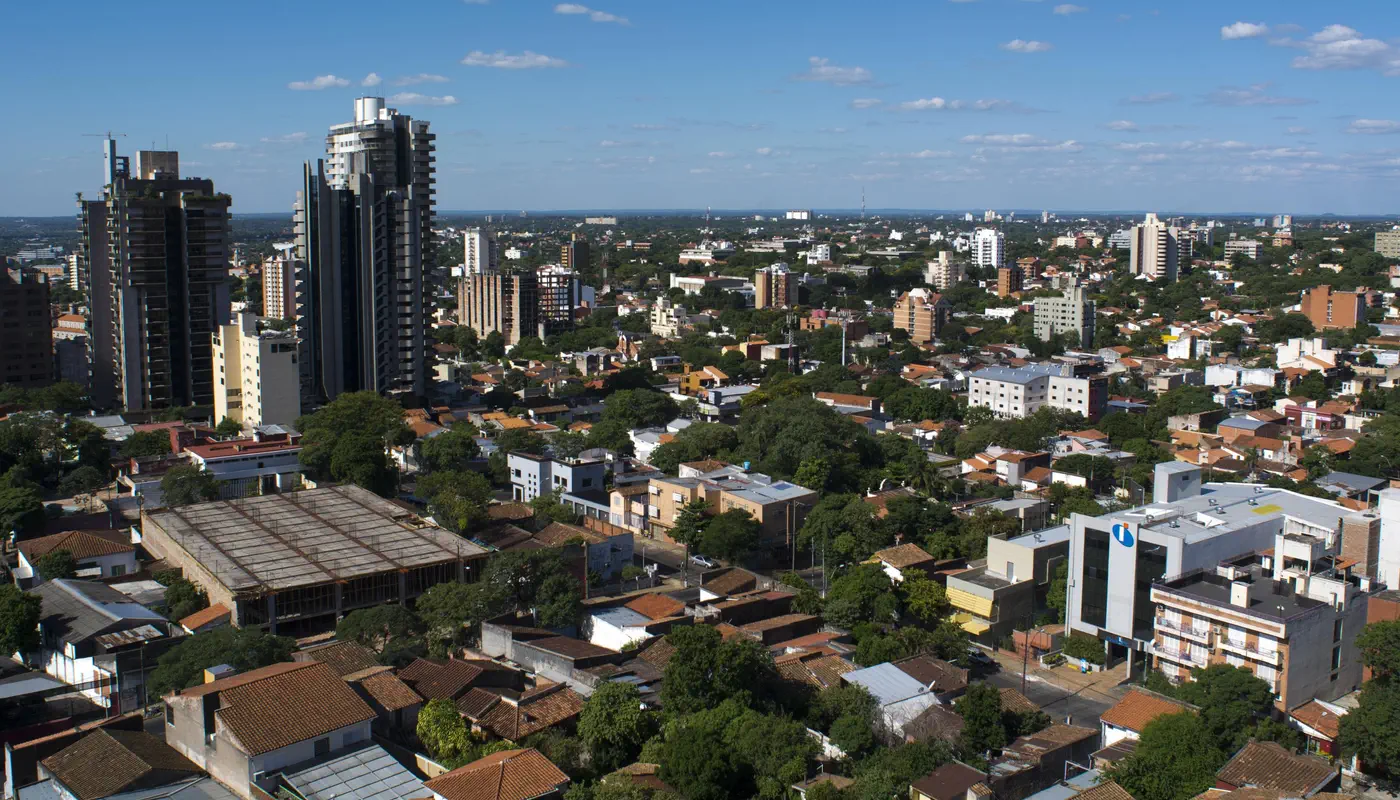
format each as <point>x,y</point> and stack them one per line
<point>298,562</point>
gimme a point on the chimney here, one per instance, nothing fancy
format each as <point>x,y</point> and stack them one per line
<point>1239,594</point>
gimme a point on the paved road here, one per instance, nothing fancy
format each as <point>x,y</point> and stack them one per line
<point>1082,704</point>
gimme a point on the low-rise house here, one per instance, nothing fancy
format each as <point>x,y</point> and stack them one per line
<point>95,638</point>
<point>1130,716</point>
<point>905,688</point>
<point>617,627</point>
<point>246,729</point>
<point>558,658</point>
<point>952,781</point>
<point>507,775</point>
<point>1039,760</point>
<point>1320,723</point>
<point>99,554</point>
<point>899,560</point>
<point>1272,767</point>
<point>121,763</point>
<point>513,717</point>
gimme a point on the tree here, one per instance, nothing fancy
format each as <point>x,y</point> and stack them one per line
<point>241,648</point>
<point>1379,643</point>
<point>864,594</point>
<point>924,597</point>
<point>1176,759</point>
<point>1232,701</point>
<point>690,524</point>
<point>347,440</point>
<point>521,440</point>
<point>983,730</point>
<point>146,444</point>
<point>187,484</point>
<point>228,427</point>
<point>614,725</point>
<point>21,509</point>
<point>183,598</point>
<point>848,715</point>
<point>389,630</point>
<point>57,564</point>
<point>451,611</point>
<point>1056,596</point>
<point>1371,731</point>
<point>538,581</point>
<point>639,408</point>
<point>458,500</point>
<point>82,480</point>
<point>453,449</point>
<point>568,444</point>
<point>704,670</point>
<point>19,620</point>
<point>548,507</point>
<point>731,535</point>
<point>444,734</point>
<point>696,761</point>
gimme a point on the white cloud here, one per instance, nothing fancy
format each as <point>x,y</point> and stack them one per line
<point>1014,139</point>
<point>1256,95</point>
<point>652,126</point>
<point>941,104</point>
<point>1022,143</point>
<point>764,151</point>
<point>822,70</point>
<point>1065,9</point>
<point>222,146</point>
<point>930,154</point>
<point>1151,98</point>
<point>286,138</point>
<point>416,99</point>
<point>503,60</point>
<point>371,79</point>
<point>618,143</point>
<point>1026,46</point>
<point>1298,131</point>
<point>1122,125</point>
<point>866,102</point>
<point>592,13</point>
<point>1244,30</point>
<point>1340,47</point>
<point>1284,152</point>
<point>1374,126</point>
<point>720,154</point>
<point>318,83</point>
<point>422,77</point>
<point>1152,158</point>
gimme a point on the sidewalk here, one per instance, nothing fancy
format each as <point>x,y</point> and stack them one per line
<point>1104,684</point>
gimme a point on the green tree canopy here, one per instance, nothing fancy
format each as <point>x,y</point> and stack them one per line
<point>731,535</point>
<point>144,444</point>
<point>393,632</point>
<point>243,649</point>
<point>453,449</point>
<point>705,670</point>
<point>346,440</point>
<point>614,725</point>
<point>983,730</point>
<point>19,620</point>
<point>187,484</point>
<point>1176,759</point>
<point>57,564</point>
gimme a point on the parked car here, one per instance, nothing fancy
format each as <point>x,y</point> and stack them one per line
<point>703,561</point>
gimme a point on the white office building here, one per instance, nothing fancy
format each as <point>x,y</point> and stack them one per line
<point>943,273</point>
<point>989,248</point>
<point>480,256</point>
<point>256,374</point>
<point>1073,312</point>
<point>801,215</point>
<point>1021,392</point>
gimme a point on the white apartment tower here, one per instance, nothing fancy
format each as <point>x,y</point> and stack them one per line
<point>480,254</point>
<point>279,278</point>
<point>989,248</point>
<point>943,273</point>
<point>257,381</point>
<point>1154,249</point>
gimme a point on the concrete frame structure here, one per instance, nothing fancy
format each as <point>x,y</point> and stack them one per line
<point>1328,309</point>
<point>1388,243</point>
<point>495,302</point>
<point>774,287</point>
<point>480,253</point>
<point>1248,248</point>
<point>943,273</point>
<point>1009,280</point>
<point>299,561</point>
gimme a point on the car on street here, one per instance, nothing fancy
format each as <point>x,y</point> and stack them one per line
<point>703,561</point>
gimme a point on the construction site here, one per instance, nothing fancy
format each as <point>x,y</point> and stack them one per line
<point>297,562</point>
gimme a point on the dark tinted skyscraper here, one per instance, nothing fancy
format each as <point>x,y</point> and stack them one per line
<point>154,259</point>
<point>365,240</point>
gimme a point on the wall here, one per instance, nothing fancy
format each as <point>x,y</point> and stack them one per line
<point>155,539</point>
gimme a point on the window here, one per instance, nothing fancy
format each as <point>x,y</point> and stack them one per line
<point>1336,631</point>
<point>1093,607</point>
<point>323,747</point>
<point>169,715</point>
<point>118,570</point>
<point>1336,658</point>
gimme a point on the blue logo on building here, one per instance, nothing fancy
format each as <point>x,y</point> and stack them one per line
<point>1123,535</point>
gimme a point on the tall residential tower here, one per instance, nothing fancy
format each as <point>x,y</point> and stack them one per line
<point>365,242</point>
<point>154,258</point>
<point>1154,249</point>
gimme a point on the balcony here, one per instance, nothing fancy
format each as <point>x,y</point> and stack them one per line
<point>1181,656</point>
<point>1201,634</point>
<point>1238,647</point>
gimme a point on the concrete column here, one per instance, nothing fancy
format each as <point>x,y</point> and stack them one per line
<point>403,588</point>
<point>272,613</point>
<point>339,601</point>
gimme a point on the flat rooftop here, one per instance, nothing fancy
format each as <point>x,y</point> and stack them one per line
<point>282,541</point>
<point>1267,598</point>
<point>1227,507</point>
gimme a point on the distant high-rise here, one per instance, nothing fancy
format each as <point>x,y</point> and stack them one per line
<point>365,239</point>
<point>1071,313</point>
<point>1154,249</point>
<point>1009,280</point>
<point>943,273</point>
<point>279,278</point>
<point>479,252</point>
<point>559,295</point>
<point>575,254</point>
<point>27,359</point>
<point>154,258</point>
<point>774,287</point>
<point>495,302</point>
<point>989,248</point>
<point>922,313</point>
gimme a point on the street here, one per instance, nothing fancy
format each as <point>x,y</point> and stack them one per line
<point>1061,693</point>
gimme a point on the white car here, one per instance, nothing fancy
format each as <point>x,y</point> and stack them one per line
<point>703,561</point>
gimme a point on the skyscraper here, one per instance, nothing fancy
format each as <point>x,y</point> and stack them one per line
<point>279,279</point>
<point>989,248</point>
<point>1153,249</point>
<point>480,254</point>
<point>154,257</point>
<point>575,254</point>
<point>558,295</point>
<point>365,239</point>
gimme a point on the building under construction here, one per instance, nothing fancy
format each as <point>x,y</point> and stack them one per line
<point>298,562</point>
<point>558,297</point>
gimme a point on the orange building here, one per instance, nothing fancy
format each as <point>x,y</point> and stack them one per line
<point>923,313</point>
<point>1329,309</point>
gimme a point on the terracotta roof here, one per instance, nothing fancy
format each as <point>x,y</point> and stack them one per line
<point>935,722</point>
<point>1038,475</point>
<point>1108,790</point>
<point>538,709</point>
<point>775,622</point>
<point>82,544</point>
<point>507,775</point>
<point>1138,707</point>
<point>949,782</point>
<point>343,657</point>
<point>273,707</point>
<point>813,668</point>
<point>476,702</point>
<point>934,673</point>
<point>1268,765</point>
<point>657,652</point>
<point>108,762</point>
<point>204,616</point>
<point>656,606</point>
<point>438,679</point>
<point>1017,703</point>
<point>903,555</point>
<point>732,582</point>
<point>388,691</point>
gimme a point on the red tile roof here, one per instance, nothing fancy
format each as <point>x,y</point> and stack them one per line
<point>507,775</point>
<point>82,544</point>
<point>273,707</point>
<point>1138,707</point>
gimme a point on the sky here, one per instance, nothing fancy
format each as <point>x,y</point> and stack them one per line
<point>1242,106</point>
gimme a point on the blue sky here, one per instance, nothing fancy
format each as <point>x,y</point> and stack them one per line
<point>1279,106</point>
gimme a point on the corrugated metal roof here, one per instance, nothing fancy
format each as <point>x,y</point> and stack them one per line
<point>366,774</point>
<point>886,683</point>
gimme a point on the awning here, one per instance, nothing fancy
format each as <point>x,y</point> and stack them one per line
<point>976,627</point>
<point>961,598</point>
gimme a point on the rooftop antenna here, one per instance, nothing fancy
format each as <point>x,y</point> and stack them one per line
<point>862,205</point>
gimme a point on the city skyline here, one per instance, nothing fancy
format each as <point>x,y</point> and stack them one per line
<point>538,105</point>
